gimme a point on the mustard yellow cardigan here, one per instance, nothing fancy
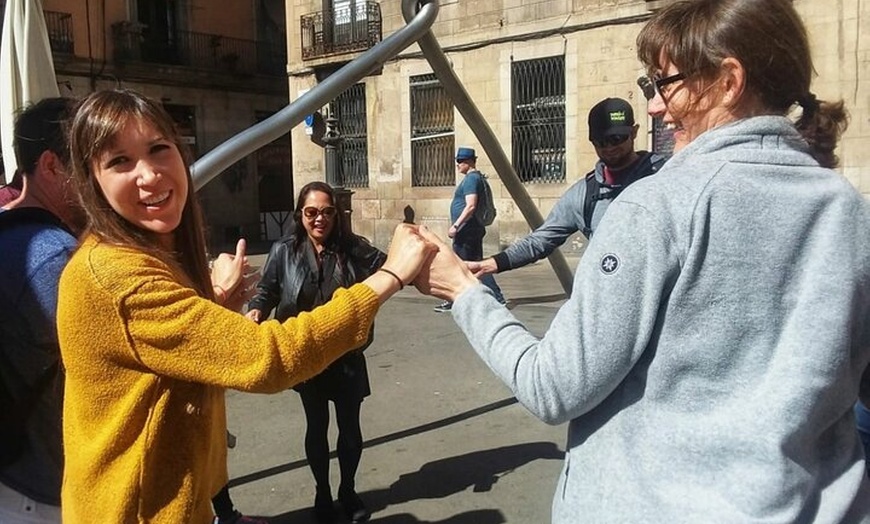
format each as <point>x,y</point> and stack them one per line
<point>147,361</point>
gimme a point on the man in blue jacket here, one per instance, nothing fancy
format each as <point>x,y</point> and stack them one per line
<point>612,131</point>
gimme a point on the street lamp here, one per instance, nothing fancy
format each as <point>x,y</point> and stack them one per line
<point>332,139</point>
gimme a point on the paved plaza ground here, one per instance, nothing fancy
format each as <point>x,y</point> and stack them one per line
<point>446,442</point>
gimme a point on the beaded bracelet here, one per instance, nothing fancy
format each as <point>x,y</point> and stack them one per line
<point>399,280</point>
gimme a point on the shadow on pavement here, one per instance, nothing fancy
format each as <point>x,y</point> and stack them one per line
<point>444,477</point>
<point>478,516</point>
<point>430,426</point>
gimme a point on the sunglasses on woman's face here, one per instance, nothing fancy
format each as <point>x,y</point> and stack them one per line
<point>608,141</point>
<point>312,212</point>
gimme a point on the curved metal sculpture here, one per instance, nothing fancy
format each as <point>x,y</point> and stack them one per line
<point>419,15</point>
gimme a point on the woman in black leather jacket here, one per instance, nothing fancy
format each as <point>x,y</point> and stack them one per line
<point>302,272</point>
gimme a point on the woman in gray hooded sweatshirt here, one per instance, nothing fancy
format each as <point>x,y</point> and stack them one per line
<point>712,348</point>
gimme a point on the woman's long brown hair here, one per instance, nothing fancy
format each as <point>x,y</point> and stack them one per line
<point>100,117</point>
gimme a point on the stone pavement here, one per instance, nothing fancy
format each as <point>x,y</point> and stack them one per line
<point>445,443</point>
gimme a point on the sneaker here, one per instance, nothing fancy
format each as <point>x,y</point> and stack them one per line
<point>443,307</point>
<point>353,506</point>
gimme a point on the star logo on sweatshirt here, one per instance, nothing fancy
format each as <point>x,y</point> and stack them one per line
<point>609,264</point>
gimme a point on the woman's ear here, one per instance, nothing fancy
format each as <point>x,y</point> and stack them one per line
<point>733,81</point>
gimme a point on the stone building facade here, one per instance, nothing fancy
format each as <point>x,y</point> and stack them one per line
<point>585,48</point>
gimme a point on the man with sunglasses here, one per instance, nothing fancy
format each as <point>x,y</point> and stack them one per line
<point>612,131</point>
<point>466,229</point>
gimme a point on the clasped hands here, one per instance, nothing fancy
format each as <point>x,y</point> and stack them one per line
<point>418,256</point>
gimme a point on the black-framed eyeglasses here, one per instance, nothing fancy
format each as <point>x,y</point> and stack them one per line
<point>609,141</point>
<point>651,86</point>
<point>312,212</point>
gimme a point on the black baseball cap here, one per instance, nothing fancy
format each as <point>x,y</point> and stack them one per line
<point>611,116</point>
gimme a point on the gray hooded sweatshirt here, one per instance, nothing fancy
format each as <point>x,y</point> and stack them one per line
<point>711,351</point>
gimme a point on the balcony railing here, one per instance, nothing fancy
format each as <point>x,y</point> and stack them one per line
<point>134,42</point>
<point>356,27</point>
<point>60,31</point>
<point>59,25</point>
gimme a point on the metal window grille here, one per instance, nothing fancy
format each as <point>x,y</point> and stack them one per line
<point>538,119</point>
<point>350,110</point>
<point>350,21</point>
<point>60,32</point>
<point>432,133</point>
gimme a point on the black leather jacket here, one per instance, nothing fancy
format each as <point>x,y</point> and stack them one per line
<point>286,269</point>
<point>284,273</point>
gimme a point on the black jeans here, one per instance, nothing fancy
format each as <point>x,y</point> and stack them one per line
<point>468,245</point>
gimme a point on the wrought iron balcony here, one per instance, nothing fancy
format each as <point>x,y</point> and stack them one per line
<point>59,26</point>
<point>351,26</point>
<point>135,42</point>
<point>60,31</point>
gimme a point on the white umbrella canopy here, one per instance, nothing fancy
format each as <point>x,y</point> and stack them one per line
<point>26,68</point>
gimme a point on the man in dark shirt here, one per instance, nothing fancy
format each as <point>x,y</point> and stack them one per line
<point>612,131</point>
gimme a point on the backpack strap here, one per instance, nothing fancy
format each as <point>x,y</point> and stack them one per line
<point>593,190</point>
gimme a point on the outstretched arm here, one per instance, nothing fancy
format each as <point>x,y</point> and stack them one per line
<point>565,219</point>
<point>584,355</point>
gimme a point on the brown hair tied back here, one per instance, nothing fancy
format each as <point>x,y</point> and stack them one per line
<point>769,40</point>
<point>809,103</point>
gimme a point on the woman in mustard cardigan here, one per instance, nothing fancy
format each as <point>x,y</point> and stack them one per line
<point>147,351</point>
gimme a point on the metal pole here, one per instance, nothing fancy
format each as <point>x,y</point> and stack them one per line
<point>246,142</point>
<point>419,15</point>
<point>457,93</point>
